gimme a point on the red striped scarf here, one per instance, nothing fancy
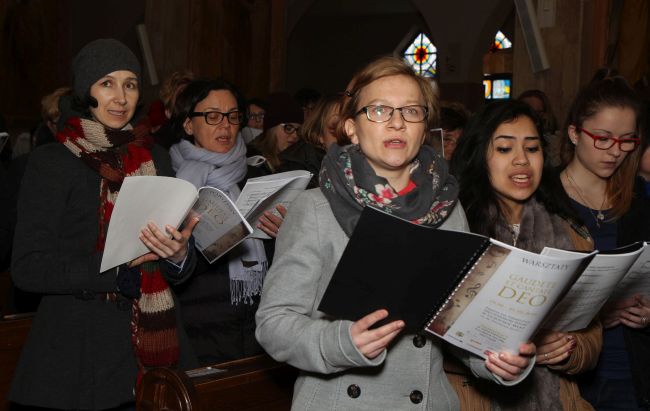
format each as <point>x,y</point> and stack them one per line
<point>116,154</point>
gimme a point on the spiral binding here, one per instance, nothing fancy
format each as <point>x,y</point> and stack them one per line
<point>472,263</point>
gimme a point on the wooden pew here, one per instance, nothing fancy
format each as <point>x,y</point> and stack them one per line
<point>13,334</point>
<point>251,384</point>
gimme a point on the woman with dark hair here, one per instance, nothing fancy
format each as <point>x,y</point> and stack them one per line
<point>93,332</point>
<point>510,193</point>
<point>282,122</point>
<point>220,300</point>
<point>255,112</point>
<point>601,157</point>
<point>347,365</point>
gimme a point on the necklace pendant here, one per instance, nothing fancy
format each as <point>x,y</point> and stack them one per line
<point>600,216</point>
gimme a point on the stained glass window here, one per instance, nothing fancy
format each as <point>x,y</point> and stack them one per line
<point>497,88</point>
<point>501,41</point>
<point>422,55</point>
<point>487,86</point>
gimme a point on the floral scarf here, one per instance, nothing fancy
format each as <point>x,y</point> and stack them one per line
<point>116,154</point>
<point>349,183</point>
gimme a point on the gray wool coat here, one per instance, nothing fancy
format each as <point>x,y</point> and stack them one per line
<point>79,353</point>
<point>335,375</point>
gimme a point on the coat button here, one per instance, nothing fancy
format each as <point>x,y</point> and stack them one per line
<point>354,391</point>
<point>419,340</point>
<point>416,397</point>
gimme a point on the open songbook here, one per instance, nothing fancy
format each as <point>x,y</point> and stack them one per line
<point>167,201</point>
<point>612,275</point>
<point>474,292</point>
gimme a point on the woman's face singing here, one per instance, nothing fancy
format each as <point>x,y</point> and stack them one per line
<point>117,96</point>
<point>220,137</point>
<point>392,145</point>
<point>515,161</point>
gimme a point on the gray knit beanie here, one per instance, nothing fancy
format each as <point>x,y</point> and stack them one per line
<point>97,59</point>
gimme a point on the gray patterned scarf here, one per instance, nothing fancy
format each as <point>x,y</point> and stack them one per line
<point>349,183</point>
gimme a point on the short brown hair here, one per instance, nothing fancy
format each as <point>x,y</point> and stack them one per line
<point>170,86</point>
<point>380,68</point>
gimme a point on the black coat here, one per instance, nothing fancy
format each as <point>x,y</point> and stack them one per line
<point>303,156</point>
<point>635,226</point>
<point>219,331</point>
<point>79,353</point>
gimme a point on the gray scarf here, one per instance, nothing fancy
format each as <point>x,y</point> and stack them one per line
<point>247,264</point>
<point>349,183</point>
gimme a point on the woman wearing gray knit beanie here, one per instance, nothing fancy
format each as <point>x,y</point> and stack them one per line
<point>94,333</point>
<point>98,59</point>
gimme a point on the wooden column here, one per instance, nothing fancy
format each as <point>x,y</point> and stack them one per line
<point>229,39</point>
<point>278,57</point>
<point>596,15</point>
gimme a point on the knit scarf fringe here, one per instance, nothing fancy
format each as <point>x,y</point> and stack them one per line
<point>243,291</point>
<point>153,322</point>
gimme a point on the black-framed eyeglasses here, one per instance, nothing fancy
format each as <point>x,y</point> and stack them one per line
<point>215,117</point>
<point>289,128</point>
<point>605,142</point>
<point>256,116</point>
<point>381,113</point>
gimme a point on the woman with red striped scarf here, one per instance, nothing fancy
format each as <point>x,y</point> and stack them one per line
<point>94,333</point>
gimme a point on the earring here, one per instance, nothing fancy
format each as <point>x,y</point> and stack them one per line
<point>573,142</point>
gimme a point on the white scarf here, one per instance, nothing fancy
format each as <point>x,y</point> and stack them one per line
<point>247,264</point>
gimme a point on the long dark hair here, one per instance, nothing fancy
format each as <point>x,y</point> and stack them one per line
<point>603,92</point>
<point>469,165</point>
<point>195,92</point>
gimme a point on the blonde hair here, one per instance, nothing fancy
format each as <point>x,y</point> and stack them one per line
<point>316,124</point>
<point>380,68</point>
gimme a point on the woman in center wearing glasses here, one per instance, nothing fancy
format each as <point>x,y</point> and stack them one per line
<point>219,300</point>
<point>348,365</point>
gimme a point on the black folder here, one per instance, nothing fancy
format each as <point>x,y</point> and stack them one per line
<point>408,269</point>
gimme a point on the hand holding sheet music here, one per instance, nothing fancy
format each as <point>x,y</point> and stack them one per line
<point>166,201</point>
<point>476,293</point>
